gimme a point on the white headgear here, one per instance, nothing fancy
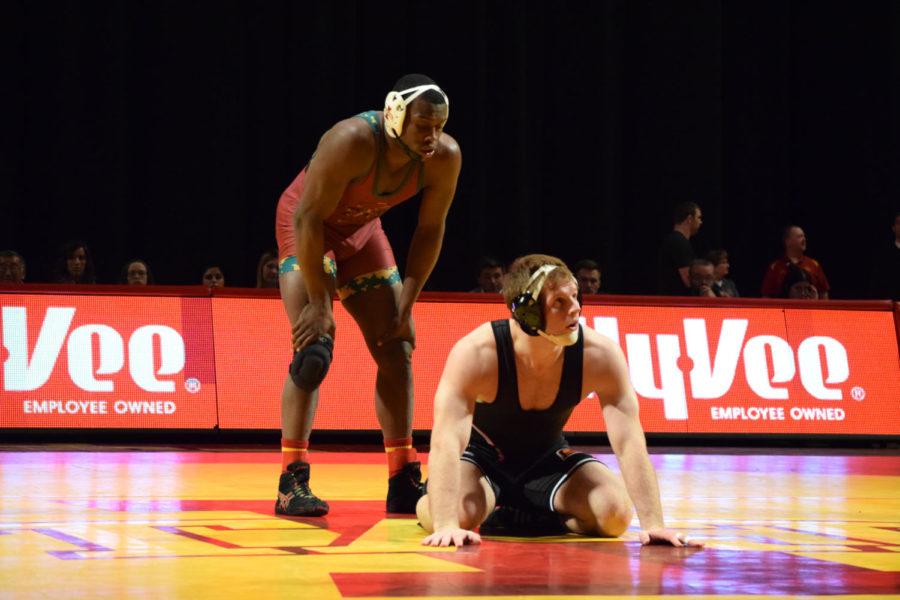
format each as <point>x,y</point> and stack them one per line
<point>396,102</point>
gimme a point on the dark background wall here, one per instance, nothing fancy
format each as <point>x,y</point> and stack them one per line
<point>167,130</point>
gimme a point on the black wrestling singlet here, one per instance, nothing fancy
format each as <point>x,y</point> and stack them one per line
<point>527,434</point>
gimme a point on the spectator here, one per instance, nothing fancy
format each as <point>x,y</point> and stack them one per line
<point>794,240</point>
<point>701,276</point>
<point>587,273</point>
<point>886,275</point>
<point>722,286</point>
<point>213,277</point>
<point>797,285</point>
<point>267,270</point>
<point>136,272</point>
<point>676,253</point>
<point>490,276</point>
<point>75,264</point>
<point>12,267</point>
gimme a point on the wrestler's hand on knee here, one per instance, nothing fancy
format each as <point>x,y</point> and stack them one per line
<point>668,536</point>
<point>399,329</point>
<point>454,536</point>
<point>315,321</point>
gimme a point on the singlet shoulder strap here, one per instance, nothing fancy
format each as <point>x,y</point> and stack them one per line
<point>421,182</point>
<point>371,118</point>
<point>507,384</point>
<point>573,369</point>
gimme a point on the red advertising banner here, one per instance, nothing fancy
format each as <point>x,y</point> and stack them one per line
<point>253,350</point>
<point>106,362</point>
<point>134,361</point>
<point>695,370</point>
<point>758,370</point>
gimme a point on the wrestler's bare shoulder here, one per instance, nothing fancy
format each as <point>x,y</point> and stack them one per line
<point>478,341</point>
<point>448,148</point>
<point>472,362</point>
<point>352,131</point>
<point>599,350</point>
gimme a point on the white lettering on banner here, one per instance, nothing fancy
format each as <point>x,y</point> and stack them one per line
<point>817,414</point>
<point>19,373</point>
<point>756,366</point>
<point>135,407</point>
<point>811,368</point>
<point>22,373</point>
<point>81,357</point>
<point>769,364</point>
<point>140,357</point>
<point>98,407</point>
<point>69,407</point>
<point>753,413</point>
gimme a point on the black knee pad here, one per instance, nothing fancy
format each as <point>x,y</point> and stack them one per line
<point>310,365</point>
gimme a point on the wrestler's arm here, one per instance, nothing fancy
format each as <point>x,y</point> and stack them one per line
<point>429,234</point>
<point>608,375</point>
<point>343,153</point>
<point>454,405</point>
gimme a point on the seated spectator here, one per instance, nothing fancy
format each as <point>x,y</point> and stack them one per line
<point>587,273</point>
<point>75,264</point>
<point>213,277</point>
<point>490,276</point>
<point>798,286</point>
<point>12,267</point>
<point>701,277</point>
<point>267,270</point>
<point>722,286</point>
<point>136,272</point>
<point>676,252</point>
<point>794,240</point>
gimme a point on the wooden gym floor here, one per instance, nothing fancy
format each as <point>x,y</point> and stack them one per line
<point>100,522</point>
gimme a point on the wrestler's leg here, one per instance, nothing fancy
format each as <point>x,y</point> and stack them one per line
<point>594,501</point>
<point>298,408</point>
<point>375,311</point>
<point>476,500</point>
<point>369,287</point>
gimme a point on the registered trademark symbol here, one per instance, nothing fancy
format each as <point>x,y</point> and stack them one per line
<point>858,393</point>
<point>192,385</point>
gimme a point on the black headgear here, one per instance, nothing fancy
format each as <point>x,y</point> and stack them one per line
<point>526,309</point>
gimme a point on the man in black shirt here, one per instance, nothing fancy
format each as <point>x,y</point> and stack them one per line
<point>676,253</point>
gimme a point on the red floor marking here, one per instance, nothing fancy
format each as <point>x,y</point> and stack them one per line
<point>513,568</point>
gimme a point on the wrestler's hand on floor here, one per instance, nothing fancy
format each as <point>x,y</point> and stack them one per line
<point>315,320</point>
<point>668,536</point>
<point>399,329</point>
<point>453,536</point>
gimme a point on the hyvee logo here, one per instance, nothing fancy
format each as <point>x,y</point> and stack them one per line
<point>712,377</point>
<point>24,373</point>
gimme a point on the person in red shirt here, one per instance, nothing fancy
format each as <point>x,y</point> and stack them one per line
<point>794,240</point>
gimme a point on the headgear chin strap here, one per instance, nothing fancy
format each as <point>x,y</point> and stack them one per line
<point>528,313</point>
<point>395,106</point>
<point>562,339</point>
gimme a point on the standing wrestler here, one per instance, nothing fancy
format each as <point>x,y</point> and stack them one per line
<point>330,241</point>
<point>506,393</point>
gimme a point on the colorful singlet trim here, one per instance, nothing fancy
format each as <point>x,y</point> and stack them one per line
<point>289,263</point>
<point>362,283</point>
<point>369,281</point>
